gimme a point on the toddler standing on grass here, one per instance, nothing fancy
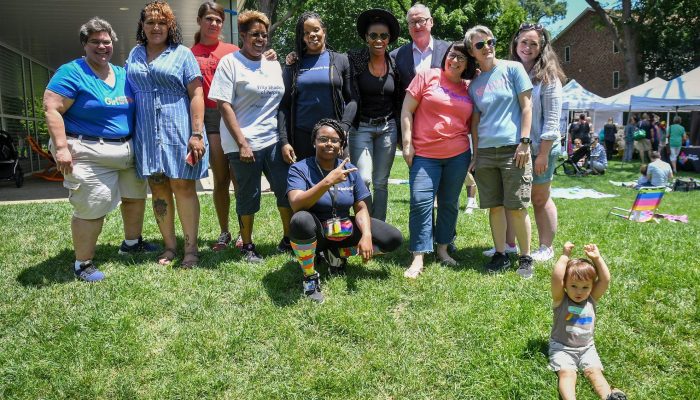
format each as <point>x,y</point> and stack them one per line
<point>577,285</point>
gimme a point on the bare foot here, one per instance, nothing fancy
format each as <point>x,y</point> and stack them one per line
<point>416,266</point>
<point>444,257</point>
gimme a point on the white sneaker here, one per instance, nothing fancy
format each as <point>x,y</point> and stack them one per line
<point>509,250</point>
<point>471,205</point>
<point>544,253</point>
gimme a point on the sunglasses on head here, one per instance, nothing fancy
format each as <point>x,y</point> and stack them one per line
<point>526,26</point>
<point>480,45</point>
<point>375,35</point>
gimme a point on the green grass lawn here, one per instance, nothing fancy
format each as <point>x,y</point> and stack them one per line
<point>237,331</point>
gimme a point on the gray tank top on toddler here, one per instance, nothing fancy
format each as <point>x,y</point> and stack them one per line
<point>574,322</point>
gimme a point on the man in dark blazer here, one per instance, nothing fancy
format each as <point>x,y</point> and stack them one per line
<point>424,51</point>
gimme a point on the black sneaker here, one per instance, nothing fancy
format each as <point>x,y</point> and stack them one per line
<point>250,254</point>
<point>336,264</point>
<point>498,263</point>
<point>285,246</point>
<point>141,247</point>
<point>617,395</point>
<point>88,272</point>
<point>312,288</point>
<point>525,267</point>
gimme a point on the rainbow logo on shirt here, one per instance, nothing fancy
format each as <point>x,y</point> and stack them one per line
<point>579,321</point>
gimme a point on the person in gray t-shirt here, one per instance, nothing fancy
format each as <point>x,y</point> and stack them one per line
<point>659,172</point>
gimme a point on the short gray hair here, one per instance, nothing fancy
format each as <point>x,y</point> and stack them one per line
<point>417,7</point>
<point>95,25</point>
<point>473,31</point>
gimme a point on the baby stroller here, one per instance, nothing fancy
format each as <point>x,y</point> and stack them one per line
<point>10,169</point>
<point>571,165</point>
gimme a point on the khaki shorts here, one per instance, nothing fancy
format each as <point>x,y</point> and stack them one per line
<point>572,358</point>
<point>212,119</point>
<point>469,180</point>
<point>102,174</point>
<point>500,182</point>
<point>643,145</point>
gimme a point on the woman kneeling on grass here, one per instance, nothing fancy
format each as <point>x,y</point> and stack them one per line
<point>321,190</point>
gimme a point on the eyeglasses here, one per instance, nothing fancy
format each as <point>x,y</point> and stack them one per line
<point>96,42</point>
<point>419,21</point>
<point>526,26</point>
<point>375,35</point>
<point>454,56</point>
<point>326,139</point>
<point>480,45</point>
<point>258,35</point>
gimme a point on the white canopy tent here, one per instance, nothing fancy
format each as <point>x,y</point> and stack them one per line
<point>621,101</point>
<point>680,94</point>
<point>576,97</point>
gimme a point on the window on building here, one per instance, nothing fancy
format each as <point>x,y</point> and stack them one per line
<point>616,79</point>
<point>615,48</point>
<point>567,54</point>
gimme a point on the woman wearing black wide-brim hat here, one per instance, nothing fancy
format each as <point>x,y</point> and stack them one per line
<point>376,87</point>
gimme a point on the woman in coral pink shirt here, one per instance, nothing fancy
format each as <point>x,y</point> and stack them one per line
<point>435,122</point>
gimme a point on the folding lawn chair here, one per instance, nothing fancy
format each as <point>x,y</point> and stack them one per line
<point>644,207</point>
<point>50,173</point>
<point>570,165</point>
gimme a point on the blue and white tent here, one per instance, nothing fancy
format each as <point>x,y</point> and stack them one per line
<point>576,97</point>
<point>680,94</point>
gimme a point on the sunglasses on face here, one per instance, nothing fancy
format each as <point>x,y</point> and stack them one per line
<point>375,35</point>
<point>480,45</point>
<point>455,56</point>
<point>258,34</point>
<point>326,139</point>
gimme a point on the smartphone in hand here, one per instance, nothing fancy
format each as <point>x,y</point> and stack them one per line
<point>189,159</point>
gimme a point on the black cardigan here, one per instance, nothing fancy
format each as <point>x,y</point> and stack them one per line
<point>345,103</point>
<point>359,60</point>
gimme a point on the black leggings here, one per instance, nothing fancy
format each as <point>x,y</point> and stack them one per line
<point>305,226</point>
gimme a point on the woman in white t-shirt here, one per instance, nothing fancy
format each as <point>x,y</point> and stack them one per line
<point>248,90</point>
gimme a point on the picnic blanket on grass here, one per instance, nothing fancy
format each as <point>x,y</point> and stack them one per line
<point>576,193</point>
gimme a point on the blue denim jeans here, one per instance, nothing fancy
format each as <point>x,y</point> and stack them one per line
<point>629,151</point>
<point>430,177</point>
<point>372,151</point>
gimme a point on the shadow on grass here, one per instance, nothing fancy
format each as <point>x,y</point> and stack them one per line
<point>534,346</point>
<point>57,269</point>
<point>283,285</point>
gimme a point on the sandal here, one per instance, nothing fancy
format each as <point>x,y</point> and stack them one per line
<point>189,261</point>
<point>167,257</point>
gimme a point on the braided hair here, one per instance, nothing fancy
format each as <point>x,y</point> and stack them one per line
<point>331,123</point>
<point>299,45</point>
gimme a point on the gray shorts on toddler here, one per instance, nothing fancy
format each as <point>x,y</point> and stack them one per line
<point>573,358</point>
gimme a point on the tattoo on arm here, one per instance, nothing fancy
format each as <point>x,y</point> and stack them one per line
<point>160,208</point>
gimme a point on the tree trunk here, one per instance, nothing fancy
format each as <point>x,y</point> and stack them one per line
<point>626,40</point>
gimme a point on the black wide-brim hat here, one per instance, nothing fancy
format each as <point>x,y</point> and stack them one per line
<point>377,15</point>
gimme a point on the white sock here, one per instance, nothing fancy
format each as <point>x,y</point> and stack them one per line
<point>131,242</point>
<point>471,202</point>
<point>78,263</point>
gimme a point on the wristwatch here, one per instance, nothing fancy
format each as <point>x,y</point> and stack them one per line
<point>525,140</point>
<point>198,134</point>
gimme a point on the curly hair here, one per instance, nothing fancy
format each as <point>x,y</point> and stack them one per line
<point>204,9</point>
<point>547,67</point>
<point>580,269</point>
<point>163,10</point>
<point>249,17</point>
<point>470,69</point>
<point>96,25</point>
<point>331,123</point>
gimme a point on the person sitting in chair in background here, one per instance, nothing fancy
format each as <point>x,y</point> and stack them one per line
<point>598,161</point>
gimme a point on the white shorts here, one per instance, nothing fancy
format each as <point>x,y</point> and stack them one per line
<point>103,173</point>
<point>573,358</point>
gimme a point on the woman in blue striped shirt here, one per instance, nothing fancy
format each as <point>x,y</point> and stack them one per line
<point>169,143</point>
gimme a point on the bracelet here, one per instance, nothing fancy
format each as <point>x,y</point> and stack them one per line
<point>198,134</point>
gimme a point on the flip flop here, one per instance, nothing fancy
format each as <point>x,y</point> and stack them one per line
<point>191,263</point>
<point>166,257</point>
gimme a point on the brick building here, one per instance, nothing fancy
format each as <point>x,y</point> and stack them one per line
<point>588,54</point>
